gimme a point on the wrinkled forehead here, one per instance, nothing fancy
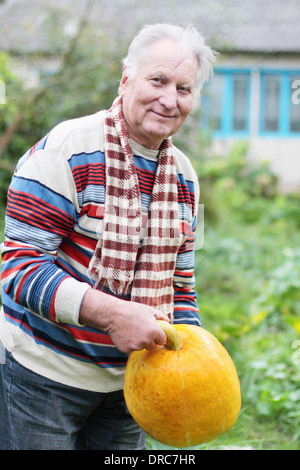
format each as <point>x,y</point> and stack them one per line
<point>167,55</point>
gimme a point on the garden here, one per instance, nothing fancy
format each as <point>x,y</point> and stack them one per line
<point>248,270</point>
<point>248,285</point>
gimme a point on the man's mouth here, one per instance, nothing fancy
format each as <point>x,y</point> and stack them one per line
<point>163,116</point>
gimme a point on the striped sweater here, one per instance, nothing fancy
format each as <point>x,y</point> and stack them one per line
<point>53,221</point>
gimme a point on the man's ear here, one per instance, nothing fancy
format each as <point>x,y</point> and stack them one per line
<point>124,82</point>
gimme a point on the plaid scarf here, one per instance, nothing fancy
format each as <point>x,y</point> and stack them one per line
<point>119,261</point>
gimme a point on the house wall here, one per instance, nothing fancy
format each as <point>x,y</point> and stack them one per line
<point>281,151</point>
<point>283,156</point>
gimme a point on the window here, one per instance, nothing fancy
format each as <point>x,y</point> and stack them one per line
<point>240,103</point>
<point>279,113</point>
<point>227,103</point>
<point>271,106</point>
<point>215,103</point>
<point>270,97</point>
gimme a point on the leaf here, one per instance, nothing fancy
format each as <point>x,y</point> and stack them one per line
<point>294,322</point>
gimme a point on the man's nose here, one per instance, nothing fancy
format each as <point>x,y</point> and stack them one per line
<point>168,98</point>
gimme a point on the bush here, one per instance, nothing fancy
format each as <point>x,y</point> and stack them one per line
<point>248,280</point>
<point>86,80</point>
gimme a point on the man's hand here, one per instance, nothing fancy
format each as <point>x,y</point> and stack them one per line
<point>132,326</point>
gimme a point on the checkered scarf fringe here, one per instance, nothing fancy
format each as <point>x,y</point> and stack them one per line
<point>118,263</point>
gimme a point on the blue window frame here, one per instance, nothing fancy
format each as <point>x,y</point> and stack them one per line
<point>279,113</point>
<point>227,103</point>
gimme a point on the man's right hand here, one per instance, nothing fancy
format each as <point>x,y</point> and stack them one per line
<point>132,326</point>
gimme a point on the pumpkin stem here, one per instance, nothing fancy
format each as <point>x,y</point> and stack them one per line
<point>173,338</point>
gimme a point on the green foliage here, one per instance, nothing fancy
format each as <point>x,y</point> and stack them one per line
<point>13,96</point>
<point>248,284</point>
<point>84,79</point>
<point>248,280</point>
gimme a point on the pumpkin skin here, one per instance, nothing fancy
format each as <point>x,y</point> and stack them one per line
<point>183,397</point>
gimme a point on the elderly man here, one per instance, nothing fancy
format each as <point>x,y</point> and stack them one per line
<point>100,227</point>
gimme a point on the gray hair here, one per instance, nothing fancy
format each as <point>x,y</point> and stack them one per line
<point>187,35</point>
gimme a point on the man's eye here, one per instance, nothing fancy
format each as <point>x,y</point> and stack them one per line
<point>156,80</point>
<point>184,90</point>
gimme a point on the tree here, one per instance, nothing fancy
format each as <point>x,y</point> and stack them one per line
<point>85,80</point>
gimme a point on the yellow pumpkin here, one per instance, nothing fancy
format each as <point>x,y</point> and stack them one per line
<point>185,393</point>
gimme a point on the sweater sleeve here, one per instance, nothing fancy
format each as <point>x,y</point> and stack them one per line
<point>41,210</point>
<point>185,296</point>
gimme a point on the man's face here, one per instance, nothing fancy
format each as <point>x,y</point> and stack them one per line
<point>158,100</point>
